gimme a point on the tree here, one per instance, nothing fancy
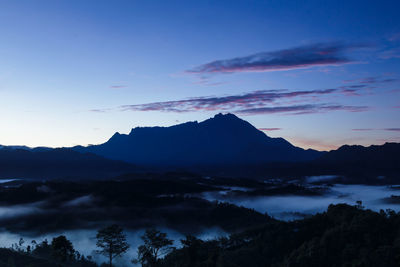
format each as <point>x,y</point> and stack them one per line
<point>112,242</point>
<point>62,248</point>
<point>156,245</point>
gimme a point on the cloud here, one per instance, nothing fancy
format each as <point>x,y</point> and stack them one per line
<point>365,85</point>
<point>103,110</point>
<point>118,86</point>
<point>302,109</point>
<point>376,129</point>
<point>257,102</point>
<point>392,129</point>
<point>250,100</point>
<point>206,82</point>
<point>362,129</point>
<point>390,53</point>
<point>269,129</point>
<point>372,80</point>
<point>328,54</point>
<point>353,90</point>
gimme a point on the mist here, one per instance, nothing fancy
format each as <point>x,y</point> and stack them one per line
<point>289,207</point>
<point>84,241</point>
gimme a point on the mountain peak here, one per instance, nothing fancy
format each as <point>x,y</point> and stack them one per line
<point>226,119</point>
<point>226,116</point>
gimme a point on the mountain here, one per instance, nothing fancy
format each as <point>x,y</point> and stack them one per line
<point>221,140</point>
<point>57,163</point>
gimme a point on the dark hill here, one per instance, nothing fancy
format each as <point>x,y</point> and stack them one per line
<point>387,154</point>
<point>57,163</point>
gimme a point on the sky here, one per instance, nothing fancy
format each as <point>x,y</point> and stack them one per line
<point>317,73</point>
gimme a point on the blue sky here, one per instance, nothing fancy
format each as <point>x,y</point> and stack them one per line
<point>318,73</point>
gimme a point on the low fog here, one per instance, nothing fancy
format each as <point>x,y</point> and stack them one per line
<point>43,210</point>
<point>84,241</point>
<point>289,207</point>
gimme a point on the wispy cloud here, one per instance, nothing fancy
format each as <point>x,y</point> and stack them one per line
<point>377,129</point>
<point>257,102</point>
<point>392,129</point>
<point>100,110</point>
<point>353,90</point>
<point>302,109</point>
<point>307,56</point>
<point>118,86</point>
<point>366,85</point>
<point>372,80</point>
<point>243,101</point>
<point>363,129</point>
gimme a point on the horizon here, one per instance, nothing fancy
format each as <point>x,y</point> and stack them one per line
<point>264,130</point>
<point>318,75</point>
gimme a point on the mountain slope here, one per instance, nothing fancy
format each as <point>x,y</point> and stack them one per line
<point>223,139</point>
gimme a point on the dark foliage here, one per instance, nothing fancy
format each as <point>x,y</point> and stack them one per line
<point>111,242</point>
<point>59,254</point>
<point>156,245</point>
<point>342,236</point>
<point>62,249</point>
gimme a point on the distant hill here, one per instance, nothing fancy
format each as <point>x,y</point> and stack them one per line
<point>57,163</point>
<point>221,140</point>
<point>358,164</point>
<point>386,154</point>
<point>376,162</point>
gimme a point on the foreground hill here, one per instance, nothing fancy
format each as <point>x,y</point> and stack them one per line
<point>223,139</point>
<point>342,236</point>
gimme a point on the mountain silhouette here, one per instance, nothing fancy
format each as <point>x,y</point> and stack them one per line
<point>375,164</point>
<point>224,139</point>
<point>386,154</point>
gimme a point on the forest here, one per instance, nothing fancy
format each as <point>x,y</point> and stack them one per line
<point>344,235</point>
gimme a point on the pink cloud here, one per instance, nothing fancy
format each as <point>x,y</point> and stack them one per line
<point>331,54</point>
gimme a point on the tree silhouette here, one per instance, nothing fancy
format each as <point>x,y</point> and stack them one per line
<point>62,248</point>
<point>112,242</point>
<point>156,245</point>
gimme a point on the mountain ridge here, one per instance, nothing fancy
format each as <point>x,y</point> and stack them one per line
<point>223,145</point>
